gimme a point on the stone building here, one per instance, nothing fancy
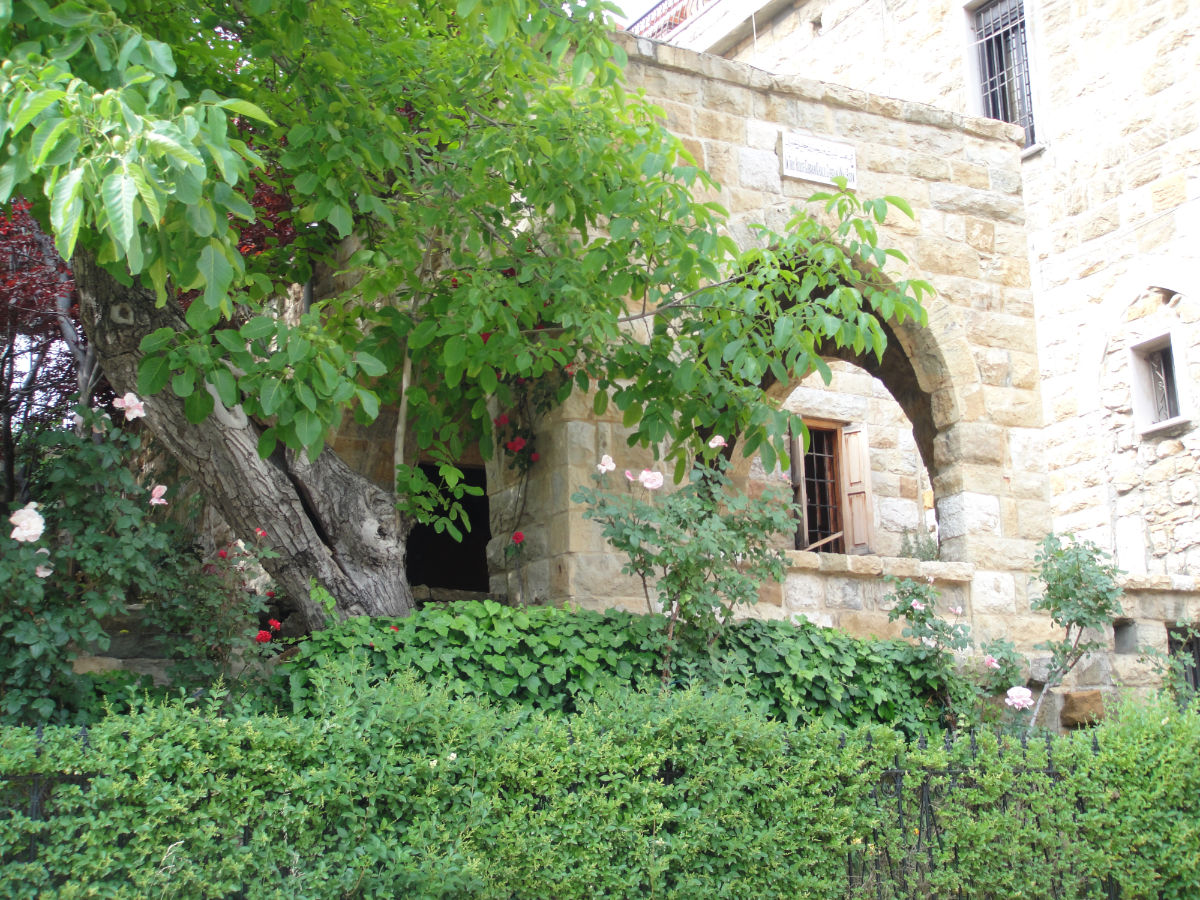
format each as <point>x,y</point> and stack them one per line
<point>1109,174</point>
<point>952,414</point>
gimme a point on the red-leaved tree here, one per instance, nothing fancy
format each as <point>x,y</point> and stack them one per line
<point>44,357</point>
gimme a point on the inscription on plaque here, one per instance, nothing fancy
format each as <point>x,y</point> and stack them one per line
<point>818,159</point>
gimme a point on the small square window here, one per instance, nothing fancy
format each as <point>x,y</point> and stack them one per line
<point>1125,637</point>
<point>1004,64</point>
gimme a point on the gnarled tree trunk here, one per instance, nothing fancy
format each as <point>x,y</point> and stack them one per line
<point>325,521</point>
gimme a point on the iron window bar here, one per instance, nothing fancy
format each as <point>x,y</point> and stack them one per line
<point>1004,64</point>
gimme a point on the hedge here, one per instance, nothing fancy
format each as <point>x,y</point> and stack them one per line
<point>394,788</point>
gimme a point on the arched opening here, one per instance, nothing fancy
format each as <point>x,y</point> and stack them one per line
<point>439,568</point>
<point>437,563</point>
<point>860,482</point>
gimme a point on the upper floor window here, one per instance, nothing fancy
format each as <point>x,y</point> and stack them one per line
<point>1158,398</point>
<point>1004,63</point>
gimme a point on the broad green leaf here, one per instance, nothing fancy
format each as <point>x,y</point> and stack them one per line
<point>226,384</point>
<point>341,219</point>
<point>8,179</point>
<point>198,406</point>
<point>369,365</point>
<point>184,383</point>
<point>245,108</point>
<point>119,192</point>
<point>157,340</point>
<point>171,147</point>
<point>270,396</point>
<point>66,211</point>
<point>201,316</point>
<point>35,104</point>
<point>153,373</point>
<point>202,217</point>
<point>258,327</point>
<point>266,443</point>
<point>369,403</point>
<point>216,271</point>
<point>45,138</point>
<point>308,427</point>
<point>146,191</point>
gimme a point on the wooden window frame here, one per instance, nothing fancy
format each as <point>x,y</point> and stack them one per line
<point>853,511</point>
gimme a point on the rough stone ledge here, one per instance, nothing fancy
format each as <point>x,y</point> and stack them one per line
<point>668,57</point>
<point>1159,583</point>
<point>899,566</point>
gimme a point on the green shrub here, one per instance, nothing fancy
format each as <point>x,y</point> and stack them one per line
<point>396,789</point>
<point>548,658</point>
<point>100,547</point>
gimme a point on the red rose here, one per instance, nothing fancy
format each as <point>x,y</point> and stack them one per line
<point>516,445</point>
<point>274,624</point>
<point>535,456</point>
<point>221,554</point>
<point>394,627</point>
<point>260,532</point>
<point>263,637</point>
<point>518,537</point>
<point>501,420</point>
<point>270,593</point>
<point>485,335</point>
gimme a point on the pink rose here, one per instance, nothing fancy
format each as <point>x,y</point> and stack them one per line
<point>1019,697</point>
<point>991,662</point>
<point>651,481</point>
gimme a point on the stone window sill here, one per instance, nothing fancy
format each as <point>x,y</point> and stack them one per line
<point>1165,427</point>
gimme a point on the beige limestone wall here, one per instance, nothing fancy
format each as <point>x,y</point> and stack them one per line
<point>975,363</point>
<point>1112,198</point>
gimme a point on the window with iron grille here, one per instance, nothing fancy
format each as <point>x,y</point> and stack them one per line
<point>831,488</point>
<point>1184,645</point>
<point>1161,366</point>
<point>1004,64</point>
<point>1158,399</point>
<point>818,493</point>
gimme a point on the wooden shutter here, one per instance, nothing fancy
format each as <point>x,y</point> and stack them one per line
<point>858,515</point>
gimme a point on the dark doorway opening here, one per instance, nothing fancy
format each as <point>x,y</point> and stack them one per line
<point>438,560</point>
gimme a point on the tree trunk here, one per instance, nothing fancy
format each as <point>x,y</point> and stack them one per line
<point>326,522</point>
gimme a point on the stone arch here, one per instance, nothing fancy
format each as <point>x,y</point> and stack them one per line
<point>916,368</point>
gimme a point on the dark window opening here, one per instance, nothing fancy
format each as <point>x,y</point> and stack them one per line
<point>437,560</point>
<point>1184,644</point>
<point>1004,64</point>
<point>817,490</point>
<point>1125,636</point>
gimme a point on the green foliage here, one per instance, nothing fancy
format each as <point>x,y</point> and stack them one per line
<point>541,657</point>
<point>1081,595</point>
<point>507,198</point>
<point>944,648</point>
<point>396,789</point>
<point>548,658</point>
<point>919,544</point>
<point>1141,798</point>
<point>102,550</point>
<point>706,546</point>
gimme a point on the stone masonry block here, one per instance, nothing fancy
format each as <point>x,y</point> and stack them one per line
<point>967,513</point>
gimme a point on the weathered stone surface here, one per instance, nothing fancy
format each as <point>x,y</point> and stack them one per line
<point>1082,708</point>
